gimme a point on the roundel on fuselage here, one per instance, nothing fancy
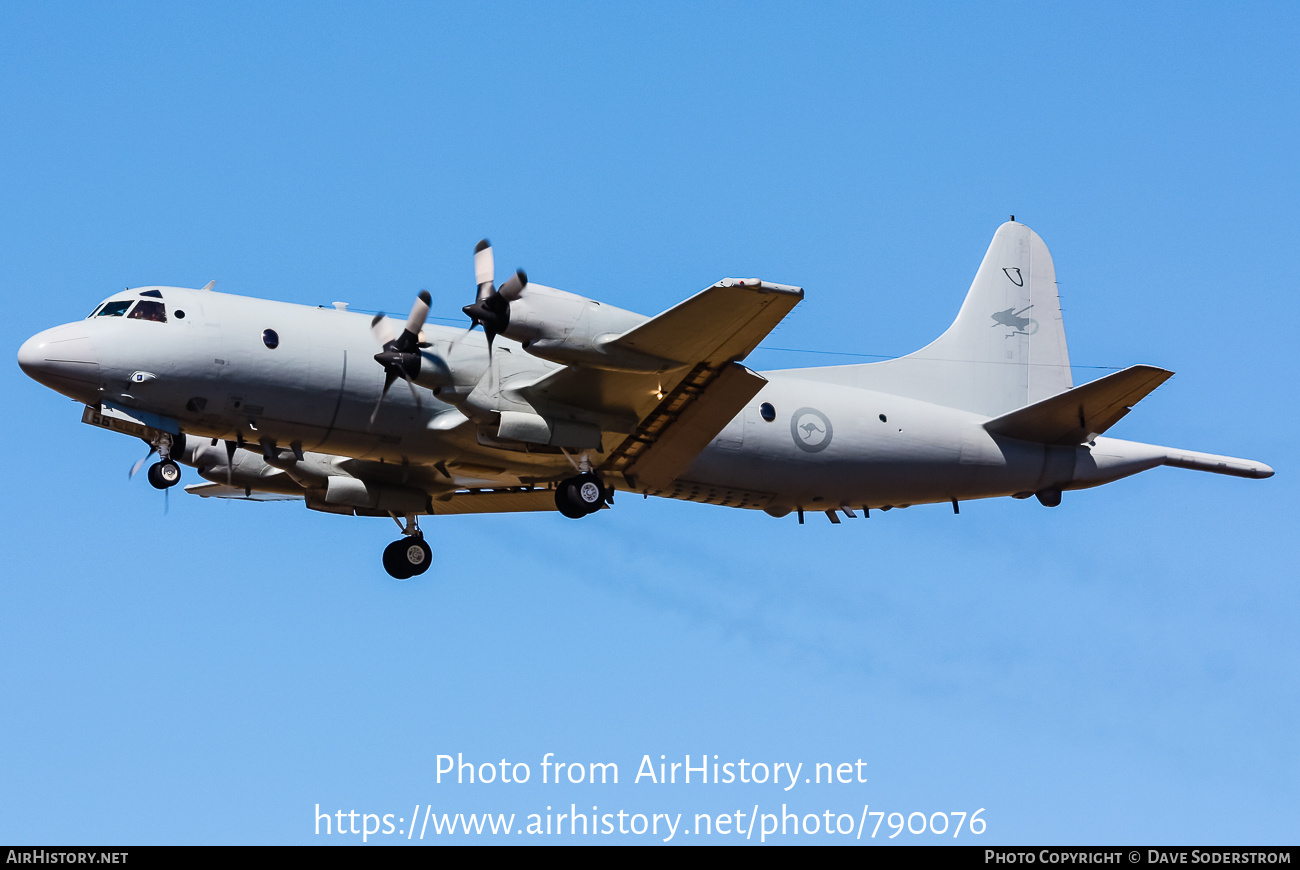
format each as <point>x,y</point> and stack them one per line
<point>811,430</point>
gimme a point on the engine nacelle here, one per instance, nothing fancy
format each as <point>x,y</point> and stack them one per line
<point>573,330</point>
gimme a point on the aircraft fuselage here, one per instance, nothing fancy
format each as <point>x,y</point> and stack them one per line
<point>239,367</point>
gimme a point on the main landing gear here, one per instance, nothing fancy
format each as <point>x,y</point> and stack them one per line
<point>581,495</point>
<point>409,555</point>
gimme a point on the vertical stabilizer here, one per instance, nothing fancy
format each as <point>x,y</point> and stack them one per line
<point>1005,350</point>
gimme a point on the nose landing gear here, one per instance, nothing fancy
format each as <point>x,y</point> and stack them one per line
<point>409,555</point>
<point>165,473</point>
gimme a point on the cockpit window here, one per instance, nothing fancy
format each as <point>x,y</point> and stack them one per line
<point>147,310</point>
<point>96,311</point>
<point>115,309</point>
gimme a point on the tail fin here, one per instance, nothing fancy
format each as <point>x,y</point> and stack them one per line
<point>1005,350</point>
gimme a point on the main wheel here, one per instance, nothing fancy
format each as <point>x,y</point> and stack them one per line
<point>566,502</point>
<point>164,474</point>
<point>407,558</point>
<point>579,496</point>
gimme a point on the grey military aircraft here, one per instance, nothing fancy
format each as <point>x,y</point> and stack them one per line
<point>562,401</point>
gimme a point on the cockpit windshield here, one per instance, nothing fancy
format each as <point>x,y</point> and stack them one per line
<point>144,309</point>
<point>116,308</point>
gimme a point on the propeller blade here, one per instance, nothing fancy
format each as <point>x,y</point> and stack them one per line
<point>135,469</point>
<point>419,313</point>
<point>381,329</point>
<point>514,285</point>
<point>414,394</point>
<point>390,375</point>
<point>452,346</point>
<point>484,266</point>
<point>231,447</point>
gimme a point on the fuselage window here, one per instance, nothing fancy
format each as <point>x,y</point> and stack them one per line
<point>180,315</point>
<point>115,309</point>
<point>270,339</point>
<point>147,310</point>
<point>767,411</point>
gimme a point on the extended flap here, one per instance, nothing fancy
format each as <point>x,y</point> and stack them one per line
<point>684,423</point>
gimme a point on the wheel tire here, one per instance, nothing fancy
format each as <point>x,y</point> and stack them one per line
<point>164,474</point>
<point>566,501</point>
<point>397,562</point>
<point>579,496</point>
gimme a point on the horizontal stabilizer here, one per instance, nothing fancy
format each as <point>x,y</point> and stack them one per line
<point>1080,414</point>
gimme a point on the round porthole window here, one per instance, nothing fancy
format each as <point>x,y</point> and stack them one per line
<point>767,412</point>
<point>270,339</point>
<point>180,315</point>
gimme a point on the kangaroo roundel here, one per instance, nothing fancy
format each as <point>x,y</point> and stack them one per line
<point>811,430</point>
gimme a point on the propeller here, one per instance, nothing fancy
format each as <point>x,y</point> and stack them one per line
<point>400,357</point>
<point>135,469</point>
<point>491,309</point>
<point>231,447</point>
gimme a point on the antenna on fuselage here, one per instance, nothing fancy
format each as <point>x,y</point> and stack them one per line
<point>209,285</point>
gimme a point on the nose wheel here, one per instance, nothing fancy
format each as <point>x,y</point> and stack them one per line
<point>580,495</point>
<point>165,474</point>
<point>408,556</point>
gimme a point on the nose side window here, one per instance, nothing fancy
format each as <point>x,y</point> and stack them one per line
<point>149,310</point>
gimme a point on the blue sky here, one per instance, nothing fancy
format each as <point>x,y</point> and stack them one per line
<point>1123,668</point>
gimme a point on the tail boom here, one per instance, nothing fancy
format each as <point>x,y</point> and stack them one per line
<point>1216,464</point>
<point>1111,459</point>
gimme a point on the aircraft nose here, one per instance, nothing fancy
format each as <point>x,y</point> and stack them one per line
<point>63,359</point>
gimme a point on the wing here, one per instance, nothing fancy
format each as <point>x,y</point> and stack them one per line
<point>669,416</point>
